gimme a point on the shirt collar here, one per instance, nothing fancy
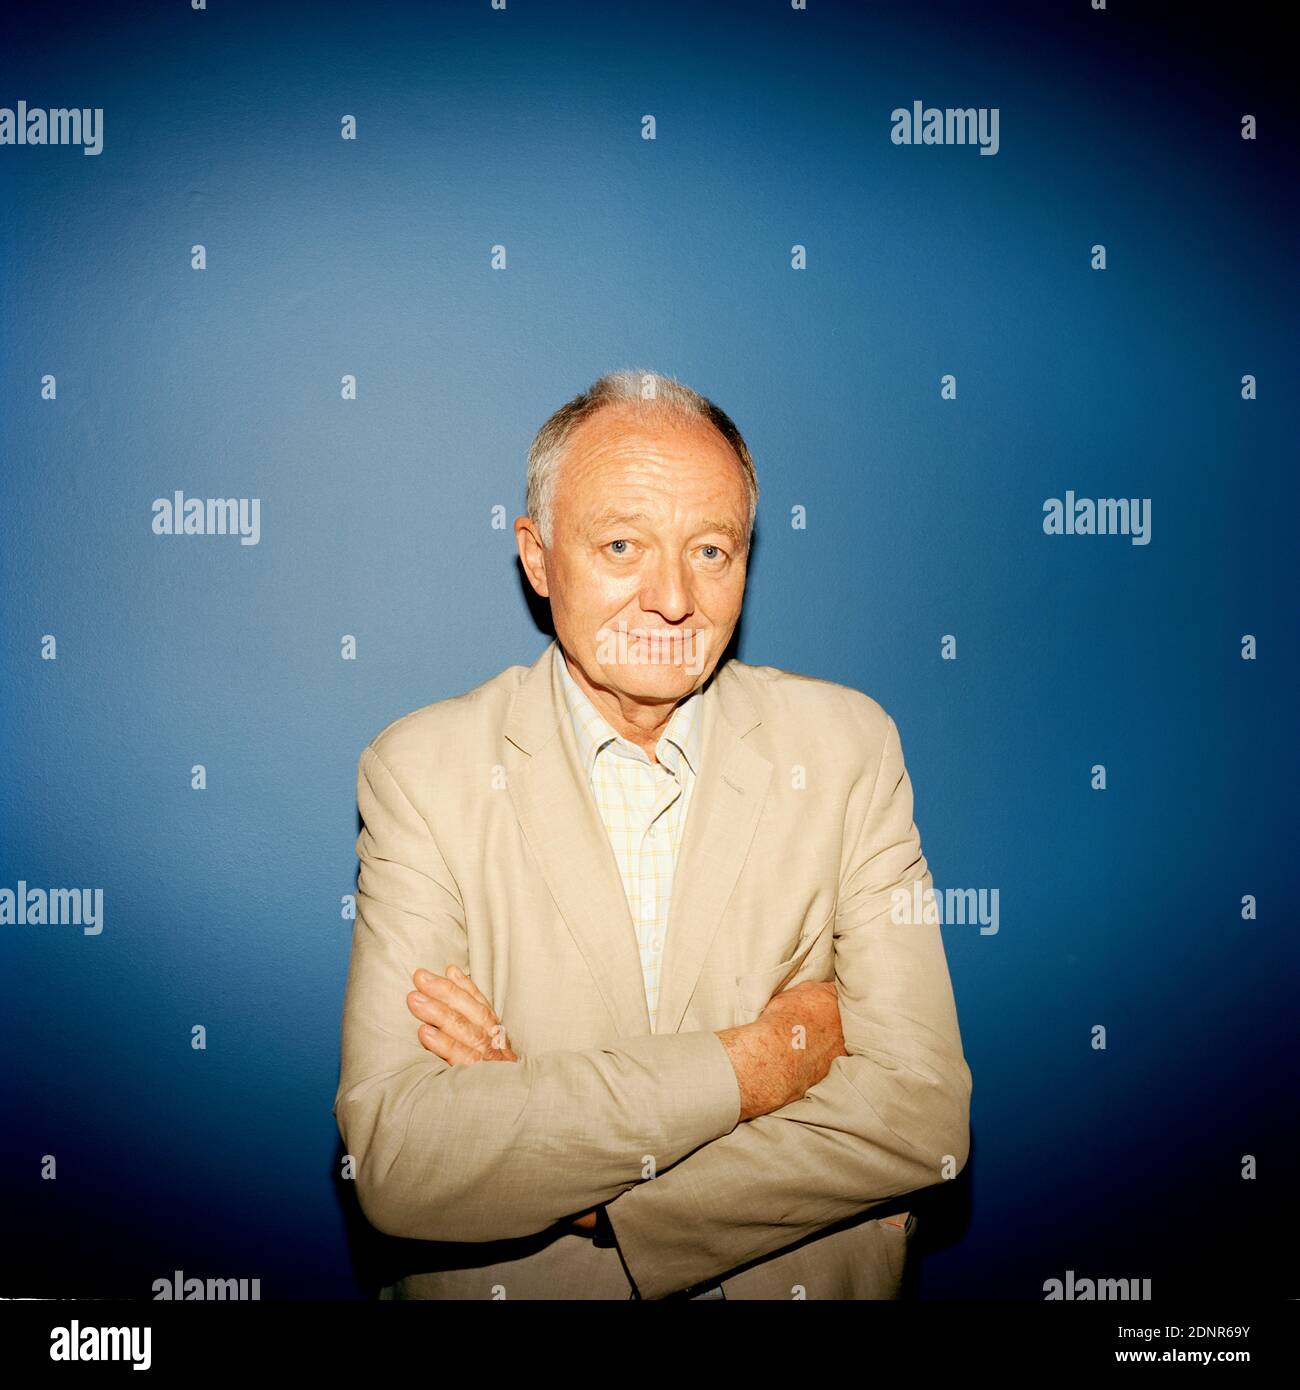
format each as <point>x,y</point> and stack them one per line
<point>593,733</point>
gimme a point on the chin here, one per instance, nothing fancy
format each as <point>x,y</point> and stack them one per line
<point>657,668</point>
<point>656,680</point>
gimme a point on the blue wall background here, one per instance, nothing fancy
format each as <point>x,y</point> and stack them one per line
<point>326,257</point>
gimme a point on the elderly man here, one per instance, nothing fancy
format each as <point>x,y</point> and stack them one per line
<point>630,1010</point>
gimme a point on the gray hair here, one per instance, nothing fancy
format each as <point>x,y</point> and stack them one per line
<point>647,391</point>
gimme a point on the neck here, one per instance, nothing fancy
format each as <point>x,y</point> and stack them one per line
<point>641,722</point>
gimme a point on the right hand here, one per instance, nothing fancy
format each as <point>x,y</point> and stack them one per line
<point>775,1065</point>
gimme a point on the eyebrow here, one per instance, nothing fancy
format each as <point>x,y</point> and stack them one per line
<point>615,518</point>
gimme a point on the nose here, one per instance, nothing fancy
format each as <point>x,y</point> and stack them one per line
<point>667,589</point>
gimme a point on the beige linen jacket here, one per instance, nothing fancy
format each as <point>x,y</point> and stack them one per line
<point>482,845</point>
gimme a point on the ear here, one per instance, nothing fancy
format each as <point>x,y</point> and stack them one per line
<point>532,554</point>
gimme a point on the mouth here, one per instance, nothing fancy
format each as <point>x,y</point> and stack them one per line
<point>660,646</point>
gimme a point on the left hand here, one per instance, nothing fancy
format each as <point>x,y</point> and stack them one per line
<point>458,1022</point>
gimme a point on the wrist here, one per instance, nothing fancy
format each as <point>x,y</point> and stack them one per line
<point>749,1048</point>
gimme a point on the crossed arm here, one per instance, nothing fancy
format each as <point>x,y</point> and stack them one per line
<point>461,1026</point>
<point>472,1153</point>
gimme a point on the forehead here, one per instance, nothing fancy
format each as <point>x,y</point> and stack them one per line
<point>629,448</point>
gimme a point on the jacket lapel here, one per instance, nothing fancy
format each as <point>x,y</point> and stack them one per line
<point>728,799</point>
<point>559,818</point>
<point>564,829</point>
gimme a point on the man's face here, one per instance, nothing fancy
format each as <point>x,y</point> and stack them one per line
<point>646,567</point>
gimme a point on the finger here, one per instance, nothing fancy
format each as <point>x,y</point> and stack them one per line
<point>448,992</point>
<point>455,973</point>
<point>445,1046</point>
<point>472,991</point>
<point>448,1020</point>
<point>444,987</point>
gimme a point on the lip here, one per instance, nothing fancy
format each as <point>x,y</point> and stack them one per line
<point>656,631</point>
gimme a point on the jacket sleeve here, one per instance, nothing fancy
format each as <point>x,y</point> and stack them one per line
<point>490,1150</point>
<point>891,1117</point>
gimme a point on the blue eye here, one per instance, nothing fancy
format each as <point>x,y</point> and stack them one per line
<point>619,552</point>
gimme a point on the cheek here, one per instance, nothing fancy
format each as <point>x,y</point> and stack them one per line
<point>591,590</point>
<point>605,585</point>
<point>723,595</point>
